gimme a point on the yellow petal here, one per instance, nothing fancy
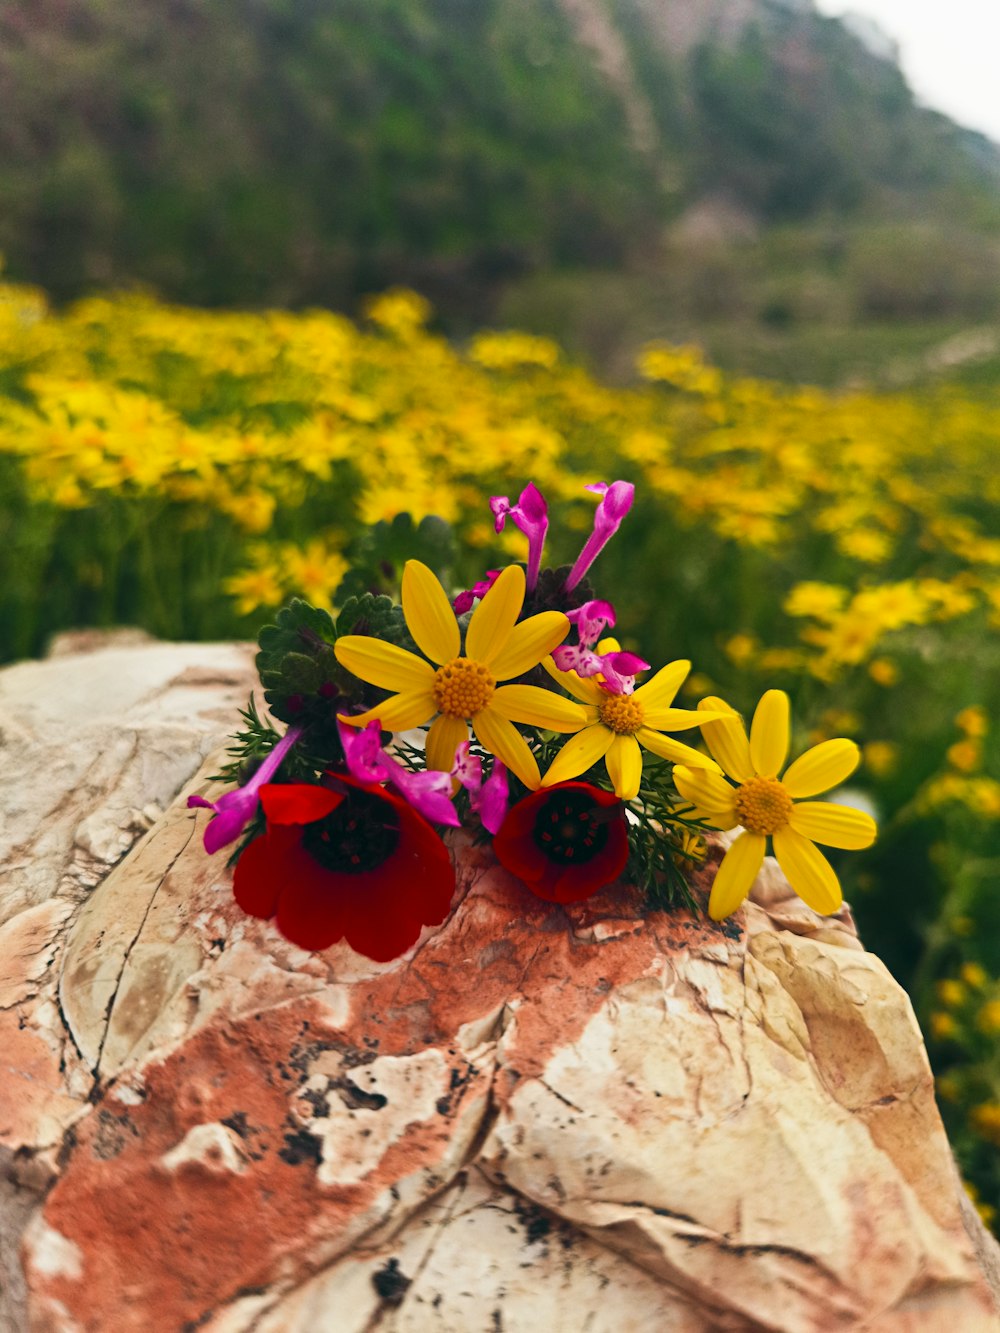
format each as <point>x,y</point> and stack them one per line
<point>529,642</point>
<point>494,618</point>
<point>428,614</point>
<point>674,751</point>
<point>824,766</point>
<point>609,645</point>
<point>726,737</point>
<point>538,708</point>
<point>808,871</point>
<point>624,761</point>
<point>833,825</point>
<point>499,737</point>
<point>710,817</point>
<point>587,691</point>
<point>769,734</point>
<point>383,664</point>
<point>736,875</point>
<point>399,713</point>
<point>579,754</point>
<point>675,719</point>
<point>659,690</point>
<point>445,735</point>
<point>708,791</point>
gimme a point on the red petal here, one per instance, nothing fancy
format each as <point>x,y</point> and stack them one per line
<point>297,802</point>
<point>411,889</point>
<point>311,904</point>
<point>515,847</point>
<point>257,877</point>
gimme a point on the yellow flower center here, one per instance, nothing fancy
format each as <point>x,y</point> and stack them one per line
<point>622,713</point>
<point>763,805</point>
<point>462,687</point>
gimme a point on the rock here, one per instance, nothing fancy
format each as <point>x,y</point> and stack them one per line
<point>95,743</point>
<point>541,1117</point>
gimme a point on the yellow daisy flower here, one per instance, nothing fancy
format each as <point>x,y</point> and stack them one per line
<point>614,727</point>
<point>766,806</point>
<point>462,688</point>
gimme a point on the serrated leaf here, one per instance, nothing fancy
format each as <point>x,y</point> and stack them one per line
<point>300,673</point>
<point>378,556</point>
<point>377,616</point>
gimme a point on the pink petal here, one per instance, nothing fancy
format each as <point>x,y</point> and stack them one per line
<point>616,501</point>
<point>363,752</point>
<point>590,620</point>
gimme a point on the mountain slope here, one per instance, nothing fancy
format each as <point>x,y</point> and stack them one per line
<point>302,151</point>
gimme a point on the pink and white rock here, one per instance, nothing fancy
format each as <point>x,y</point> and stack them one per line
<point>570,1118</point>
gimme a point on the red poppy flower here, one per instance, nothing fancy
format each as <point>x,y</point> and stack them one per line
<point>565,842</point>
<point>349,861</point>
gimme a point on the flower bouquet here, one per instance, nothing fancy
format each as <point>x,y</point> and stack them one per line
<point>509,712</point>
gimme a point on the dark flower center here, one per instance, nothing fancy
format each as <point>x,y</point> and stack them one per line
<point>571,828</point>
<point>357,837</point>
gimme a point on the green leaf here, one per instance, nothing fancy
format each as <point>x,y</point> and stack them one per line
<point>378,556</point>
<point>378,616</point>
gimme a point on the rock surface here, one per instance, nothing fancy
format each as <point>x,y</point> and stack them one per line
<point>541,1118</point>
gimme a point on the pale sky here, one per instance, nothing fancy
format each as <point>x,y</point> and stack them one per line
<point>949,52</point>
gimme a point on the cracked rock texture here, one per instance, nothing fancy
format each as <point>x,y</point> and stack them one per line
<point>541,1118</point>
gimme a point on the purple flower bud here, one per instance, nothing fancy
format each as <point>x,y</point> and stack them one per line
<point>234,810</point>
<point>616,501</point>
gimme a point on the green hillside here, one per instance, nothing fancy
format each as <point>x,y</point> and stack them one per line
<point>306,151</point>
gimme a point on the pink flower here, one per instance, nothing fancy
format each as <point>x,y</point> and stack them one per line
<point>531,515</point>
<point>615,503</point>
<point>429,793</point>
<point>463,602</point>
<point>618,668</point>
<point>234,810</point>
<point>489,798</point>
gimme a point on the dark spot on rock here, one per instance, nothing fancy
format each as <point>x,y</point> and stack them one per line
<point>113,1132</point>
<point>536,1223</point>
<point>318,1100</point>
<point>301,1147</point>
<point>219,944</point>
<point>391,1283</point>
<point>443,1105</point>
<point>237,1122</point>
<point>496,1319</point>
<point>66,1147</point>
<point>356,1098</point>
